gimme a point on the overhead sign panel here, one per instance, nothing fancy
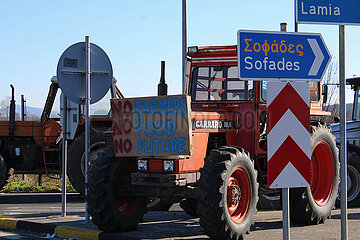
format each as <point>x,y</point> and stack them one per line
<point>265,55</point>
<point>339,12</point>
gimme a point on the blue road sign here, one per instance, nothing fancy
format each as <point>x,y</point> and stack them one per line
<point>286,56</point>
<point>340,12</point>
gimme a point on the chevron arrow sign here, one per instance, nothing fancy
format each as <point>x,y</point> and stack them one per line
<point>289,152</point>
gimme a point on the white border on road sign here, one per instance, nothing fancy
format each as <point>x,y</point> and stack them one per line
<point>321,23</point>
<point>281,33</point>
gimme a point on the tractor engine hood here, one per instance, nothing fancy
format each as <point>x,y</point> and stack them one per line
<point>352,130</point>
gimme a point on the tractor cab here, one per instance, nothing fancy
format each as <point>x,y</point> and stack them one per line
<point>214,85</point>
<point>223,106</point>
<point>355,85</point>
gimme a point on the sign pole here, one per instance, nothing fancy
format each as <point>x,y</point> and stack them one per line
<point>64,157</point>
<point>286,213</point>
<point>349,16</point>
<point>87,120</point>
<point>343,150</point>
<point>184,43</point>
<point>295,14</point>
<point>285,191</point>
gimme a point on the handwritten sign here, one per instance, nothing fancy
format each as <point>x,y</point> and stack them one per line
<point>151,126</point>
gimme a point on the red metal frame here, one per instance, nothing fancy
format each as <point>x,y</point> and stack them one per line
<point>239,206</point>
<point>322,173</point>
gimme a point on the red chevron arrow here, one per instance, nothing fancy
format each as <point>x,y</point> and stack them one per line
<point>283,102</point>
<point>288,152</point>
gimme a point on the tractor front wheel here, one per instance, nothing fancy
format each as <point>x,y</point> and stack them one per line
<point>112,211</point>
<point>4,173</point>
<point>227,194</point>
<point>313,205</point>
<point>353,180</point>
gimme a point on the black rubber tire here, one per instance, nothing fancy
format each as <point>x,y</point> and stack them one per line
<point>106,176</point>
<point>157,204</point>
<point>75,170</point>
<point>353,181</point>
<point>212,203</point>
<point>4,173</point>
<point>189,205</point>
<point>303,207</point>
<point>269,201</point>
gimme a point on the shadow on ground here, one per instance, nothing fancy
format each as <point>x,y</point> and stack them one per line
<point>351,216</point>
<point>21,198</point>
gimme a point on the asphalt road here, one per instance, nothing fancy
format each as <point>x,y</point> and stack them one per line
<point>174,224</point>
<point>10,235</point>
<point>25,236</point>
<point>41,204</point>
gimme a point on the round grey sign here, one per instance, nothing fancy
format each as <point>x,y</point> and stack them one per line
<point>71,73</point>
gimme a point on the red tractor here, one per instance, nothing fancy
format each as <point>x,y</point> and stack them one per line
<point>34,147</point>
<point>226,172</point>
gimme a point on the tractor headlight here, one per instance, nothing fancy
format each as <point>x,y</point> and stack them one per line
<point>169,165</point>
<point>193,49</point>
<point>142,164</point>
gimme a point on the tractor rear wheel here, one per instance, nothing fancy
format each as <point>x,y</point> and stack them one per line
<point>157,204</point>
<point>312,205</point>
<point>111,211</point>
<point>353,180</point>
<point>227,194</point>
<point>76,157</point>
<point>189,206</point>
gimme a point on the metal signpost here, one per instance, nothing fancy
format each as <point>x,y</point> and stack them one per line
<point>343,147</point>
<point>280,57</point>
<point>64,154</point>
<point>84,82</point>
<point>345,12</point>
<point>87,119</point>
<point>184,44</point>
<point>289,152</point>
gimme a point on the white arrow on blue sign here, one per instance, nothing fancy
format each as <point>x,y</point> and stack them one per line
<point>328,11</point>
<point>265,55</point>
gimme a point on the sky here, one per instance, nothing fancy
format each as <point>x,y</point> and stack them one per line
<point>136,35</point>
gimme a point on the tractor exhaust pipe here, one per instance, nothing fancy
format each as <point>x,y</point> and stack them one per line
<point>162,86</point>
<point>12,111</point>
<point>23,114</point>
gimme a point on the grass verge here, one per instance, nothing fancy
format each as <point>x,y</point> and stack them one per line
<point>30,184</point>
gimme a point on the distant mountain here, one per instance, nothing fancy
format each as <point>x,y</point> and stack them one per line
<point>31,111</point>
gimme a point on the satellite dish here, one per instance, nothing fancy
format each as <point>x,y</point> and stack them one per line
<point>71,73</point>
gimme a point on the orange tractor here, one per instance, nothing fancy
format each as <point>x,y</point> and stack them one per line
<point>222,177</point>
<point>34,147</point>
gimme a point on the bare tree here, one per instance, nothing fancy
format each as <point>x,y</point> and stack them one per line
<point>32,117</point>
<point>4,105</point>
<point>332,104</point>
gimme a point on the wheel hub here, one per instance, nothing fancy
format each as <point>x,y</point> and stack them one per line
<point>235,193</point>
<point>238,194</point>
